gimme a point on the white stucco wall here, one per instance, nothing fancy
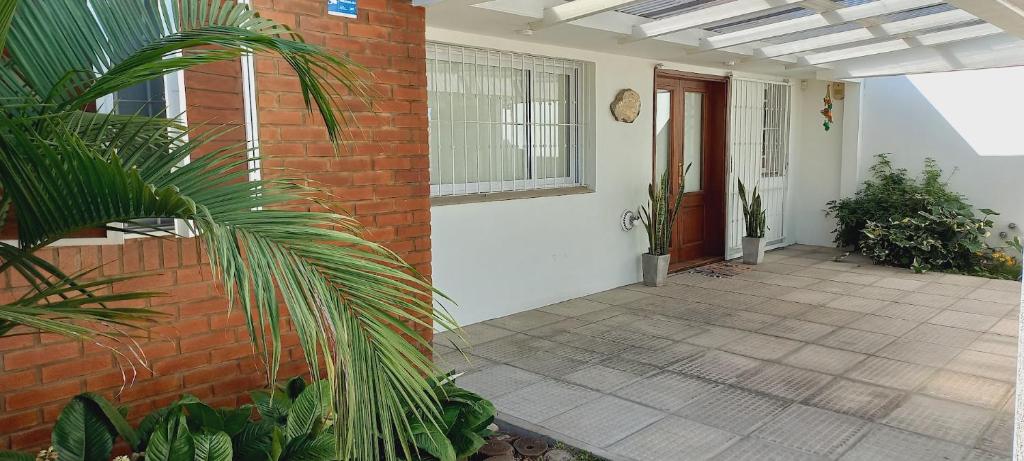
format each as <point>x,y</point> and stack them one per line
<point>967,121</point>
<point>815,165</point>
<point>501,257</point>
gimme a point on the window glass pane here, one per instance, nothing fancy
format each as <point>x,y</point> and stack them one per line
<point>146,99</point>
<point>500,121</point>
<point>662,131</point>
<point>693,124</point>
<point>549,124</point>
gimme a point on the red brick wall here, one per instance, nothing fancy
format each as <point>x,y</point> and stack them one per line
<point>381,177</point>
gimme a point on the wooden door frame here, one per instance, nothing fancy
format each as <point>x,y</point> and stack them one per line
<point>715,137</point>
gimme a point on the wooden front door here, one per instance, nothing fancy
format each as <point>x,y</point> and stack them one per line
<point>690,129</point>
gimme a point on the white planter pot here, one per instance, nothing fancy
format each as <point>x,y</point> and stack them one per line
<point>655,269</point>
<point>753,250</point>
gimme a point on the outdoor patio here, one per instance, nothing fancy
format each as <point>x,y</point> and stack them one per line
<point>798,358</point>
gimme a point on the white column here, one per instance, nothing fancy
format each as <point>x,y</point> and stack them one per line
<point>1018,413</point>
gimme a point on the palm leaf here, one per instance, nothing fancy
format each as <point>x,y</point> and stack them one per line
<point>354,304</point>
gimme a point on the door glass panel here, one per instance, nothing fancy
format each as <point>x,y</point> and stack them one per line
<point>693,122</point>
<point>663,131</point>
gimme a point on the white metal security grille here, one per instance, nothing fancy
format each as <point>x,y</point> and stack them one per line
<point>503,121</point>
<point>759,118</point>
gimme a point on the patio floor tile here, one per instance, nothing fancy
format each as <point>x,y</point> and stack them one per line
<point>979,455</point>
<point>548,364</point>
<point>800,330</point>
<point>883,325</point>
<point>604,421</point>
<point>964,320</point>
<point>830,316</point>
<point>543,400</point>
<point>752,449</point>
<point>601,378</point>
<point>908,312</point>
<point>732,409</point>
<point>552,329</point>
<point>813,430</point>
<point>676,439</point>
<point>900,284</point>
<point>511,347</point>
<point>864,401</point>
<point>996,296</point>
<point>945,289</point>
<point>578,306</point>
<point>616,362</point>
<point>856,340</point>
<point>616,296</point>
<point>1006,327</point>
<point>784,381</point>
<point>477,333</point>
<point>716,336</point>
<point>927,299</point>
<point>890,373</point>
<point>886,443</point>
<point>982,307</point>
<point>762,347</point>
<point>824,359</point>
<point>496,381</point>
<point>780,308</point>
<point>946,336</point>
<point>807,296</point>
<point>921,353</point>
<point>968,389</point>
<point>998,437</point>
<point>717,366</point>
<point>666,390</point>
<point>857,304</point>
<point>942,419</point>
<point>995,344</point>
<point>525,320</point>
<point>984,364</point>
<point>662,357</point>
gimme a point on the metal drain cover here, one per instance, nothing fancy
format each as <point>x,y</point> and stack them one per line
<point>531,446</point>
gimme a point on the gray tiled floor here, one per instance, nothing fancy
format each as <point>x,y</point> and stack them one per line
<point>798,358</point>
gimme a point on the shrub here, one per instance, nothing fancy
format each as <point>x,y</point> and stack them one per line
<point>890,194</point>
<point>913,222</point>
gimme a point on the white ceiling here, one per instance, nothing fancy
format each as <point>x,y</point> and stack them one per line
<point>831,39</point>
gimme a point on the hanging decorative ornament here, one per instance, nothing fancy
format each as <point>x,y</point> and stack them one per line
<point>827,111</point>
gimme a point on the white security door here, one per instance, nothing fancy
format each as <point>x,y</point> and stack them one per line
<point>759,119</point>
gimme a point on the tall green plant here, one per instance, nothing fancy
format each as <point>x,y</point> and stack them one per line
<point>352,303</point>
<point>754,215</point>
<point>661,216</point>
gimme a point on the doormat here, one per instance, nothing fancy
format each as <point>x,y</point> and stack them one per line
<point>720,270</point>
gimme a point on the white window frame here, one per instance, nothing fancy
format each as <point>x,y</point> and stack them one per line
<point>577,130</point>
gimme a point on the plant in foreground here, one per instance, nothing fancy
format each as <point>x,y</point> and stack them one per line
<point>353,304</point>
<point>754,215</point>
<point>661,216</point>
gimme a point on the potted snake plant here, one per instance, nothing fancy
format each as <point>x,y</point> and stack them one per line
<point>658,221</point>
<point>756,224</point>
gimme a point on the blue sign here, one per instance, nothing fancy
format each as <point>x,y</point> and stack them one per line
<point>344,8</point>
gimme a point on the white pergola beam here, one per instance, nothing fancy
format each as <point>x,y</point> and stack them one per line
<point>577,9</point>
<point>891,29</point>
<point>838,16</point>
<point>889,46</point>
<point>705,16</point>
<point>1006,14</point>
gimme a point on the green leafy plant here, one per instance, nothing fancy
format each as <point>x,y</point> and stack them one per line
<point>354,305</point>
<point>754,215</point>
<point>296,424</point>
<point>466,419</point>
<point>916,223</point>
<point>890,194</point>
<point>659,219</point>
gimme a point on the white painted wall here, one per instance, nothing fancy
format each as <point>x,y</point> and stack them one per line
<point>815,165</point>
<point>967,121</point>
<point>498,258</point>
